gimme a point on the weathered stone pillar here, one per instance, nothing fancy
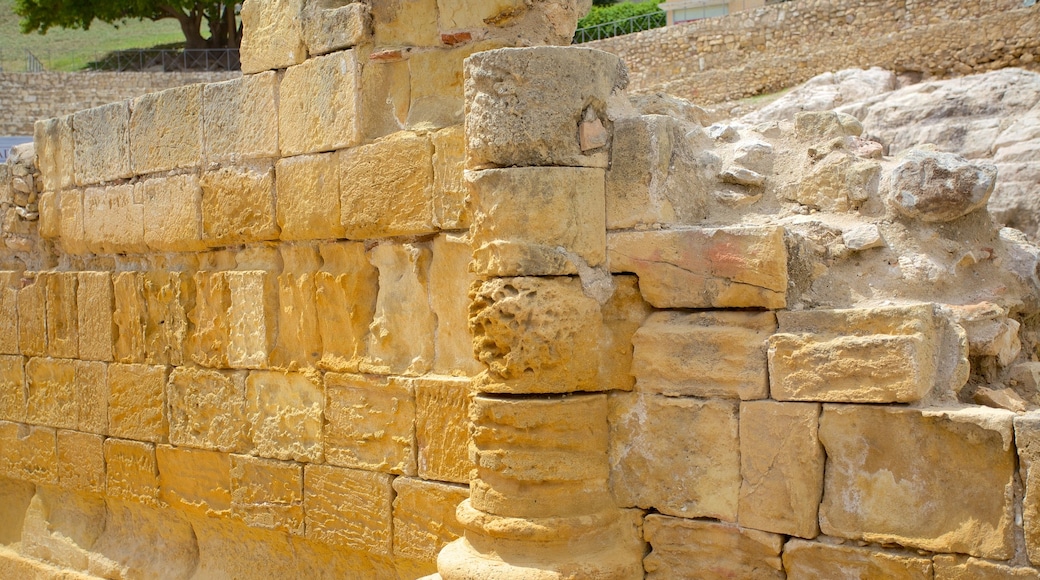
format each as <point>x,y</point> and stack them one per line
<point>538,136</point>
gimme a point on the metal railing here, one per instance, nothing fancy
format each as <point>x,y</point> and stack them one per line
<point>167,60</point>
<point>619,27</point>
<point>32,64</point>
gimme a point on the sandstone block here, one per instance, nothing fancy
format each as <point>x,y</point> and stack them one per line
<point>950,567</point>
<point>113,220</point>
<point>166,130</point>
<point>464,14</point>
<point>102,144</point>
<point>873,456</point>
<point>515,320</point>
<point>284,411</point>
<point>401,337</point>
<point>240,118</point>
<point>346,290</point>
<point>137,402</point>
<point>385,94</point>
<point>172,213</point>
<point>128,316</point>
<point>711,354</point>
<point>29,453</point>
<point>94,307</point>
<point>623,315</point>
<point>70,231</point>
<point>938,187</point>
<point>812,560</point>
<point>81,461</point>
<point>51,396</point>
<point>209,340</point>
<point>272,35</point>
<point>736,267</point>
<point>405,23</point>
<point>450,281</point>
<point>55,152</point>
<point>308,197</point>
<point>267,494</point>
<point>298,343</point>
<point>252,324</point>
<point>131,471</point>
<point>424,517</point>
<point>330,25</point>
<point>449,187</point>
<point>1027,440</point>
<point>386,188</point>
<point>685,548</point>
<point>206,409</point>
<point>238,205</point>
<point>369,423</point>
<point>12,388</point>
<point>62,320</point>
<point>318,106</point>
<point>538,220</point>
<point>874,355</point>
<point>32,314</point>
<point>436,95</point>
<point>442,428</point>
<point>10,284</point>
<point>349,507</point>
<point>539,131</point>
<point>194,480</point>
<point>697,438</point>
<point>168,297</point>
<point>50,215</point>
<point>91,388</point>
<point>781,466</point>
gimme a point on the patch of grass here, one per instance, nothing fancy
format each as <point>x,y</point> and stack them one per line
<point>69,50</point>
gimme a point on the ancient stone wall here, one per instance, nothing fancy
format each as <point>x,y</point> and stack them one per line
<point>26,97</point>
<point>772,48</point>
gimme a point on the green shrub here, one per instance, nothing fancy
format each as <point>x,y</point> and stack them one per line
<point>619,12</point>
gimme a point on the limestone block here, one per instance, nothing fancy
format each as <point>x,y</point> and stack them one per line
<point>449,187</point>
<point>298,344</point>
<point>874,456</point>
<point>284,411</point>
<point>537,221</point>
<point>405,23</point>
<point>468,14</point>
<point>707,354</point>
<point>369,423</point>
<point>870,355</point>
<point>50,215</point>
<point>193,480</point>
<point>209,340</point>
<point>812,560</point>
<point>401,337</point>
<point>252,324</point>
<point>1027,440</point>
<point>166,130</point>
<point>12,388</point>
<point>442,428</point>
<point>348,507</point>
<point>535,335</point>
<point>206,409</point>
<point>330,25</point>
<point>346,290</point>
<point>696,438</point>
<point>267,494</point>
<point>168,297</point>
<point>10,283</point>
<point>94,307</point>
<point>424,517</point>
<point>131,472</point>
<point>781,466</point>
<point>737,267</point>
<point>540,458</point>
<point>308,197</point>
<point>509,122</point>
<point>81,461</point>
<point>385,94</point>
<point>51,395</point>
<point>685,548</point>
<point>172,213</point>
<point>29,453</point>
<point>113,220</point>
<point>137,402</point>
<point>272,36</point>
<point>238,205</point>
<point>318,105</point>
<point>450,281</point>
<point>950,567</point>
<point>240,118</point>
<point>386,188</point>
<point>32,314</point>
<point>102,143</point>
<point>128,317</point>
<point>91,387</point>
<point>70,231</point>
<point>54,152</point>
<point>437,97</point>
<point>623,315</point>
<point>62,320</point>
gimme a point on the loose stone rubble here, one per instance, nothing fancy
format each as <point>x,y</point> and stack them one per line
<point>419,296</point>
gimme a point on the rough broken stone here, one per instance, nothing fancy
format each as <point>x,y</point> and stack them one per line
<point>267,494</point>
<point>817,560</point>
<point>284,411</point>
<point>168,298</point>
<point>863,237</point>
<point>938,187</point>
<point>166,130</point>
<point>990,331</point>
<point>951,567</point>
<point>318,105</point>
<point>369,423</point>
<point>683,548</point>
<point>999,399</point>
<point>272,36</point>
<point>349,507</point>
<point>102,144</point>
<point>240,118</point>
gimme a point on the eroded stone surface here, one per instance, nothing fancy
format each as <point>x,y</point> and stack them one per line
<point>369,423</point>
<point>816,560</point>
<point>684,548</point>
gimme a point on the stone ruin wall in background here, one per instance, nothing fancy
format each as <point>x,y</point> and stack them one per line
<point>371,312</point>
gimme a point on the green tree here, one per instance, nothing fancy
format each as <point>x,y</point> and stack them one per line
<point>218,15</point>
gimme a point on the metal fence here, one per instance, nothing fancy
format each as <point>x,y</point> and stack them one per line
<point>24,60</point>
<point>167,60</point>
<point>619,27</point>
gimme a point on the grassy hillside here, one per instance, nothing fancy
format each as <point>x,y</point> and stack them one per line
<point>72,49</point>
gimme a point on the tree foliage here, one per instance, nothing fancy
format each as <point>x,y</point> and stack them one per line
<point>219,16</point>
